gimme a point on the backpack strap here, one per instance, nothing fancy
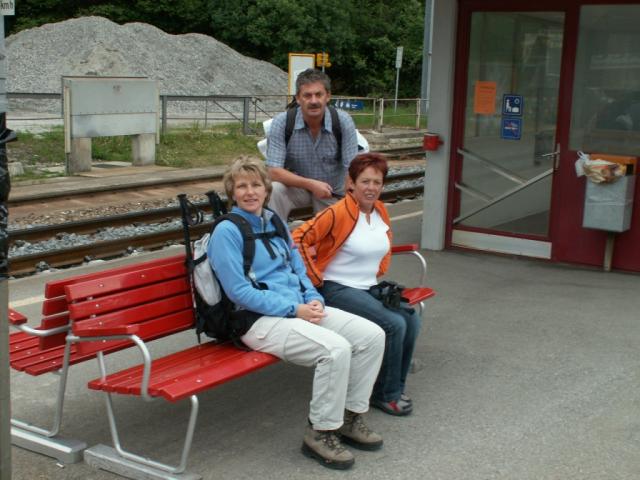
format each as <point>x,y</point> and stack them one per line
<point>281,228</point>
<point>248,238</point>
<point>291,121</point>
<point>336,127</point>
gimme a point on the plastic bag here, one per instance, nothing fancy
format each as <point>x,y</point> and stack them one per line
<point>598,170</point>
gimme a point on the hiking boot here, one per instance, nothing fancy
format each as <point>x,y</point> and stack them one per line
<point>325,446</point>
<point>399,407</point>
<point>356,433</point>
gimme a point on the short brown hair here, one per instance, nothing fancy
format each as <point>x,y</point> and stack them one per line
<point>377,161</point>
<point>311,75</point>
<point>245,165</point>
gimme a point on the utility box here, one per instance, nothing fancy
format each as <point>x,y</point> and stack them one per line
<point>608,206</point>
<point>109,106</point>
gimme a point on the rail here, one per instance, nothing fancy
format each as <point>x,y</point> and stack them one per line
<point>170,216</point>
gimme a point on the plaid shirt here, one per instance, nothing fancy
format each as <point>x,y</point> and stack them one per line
<point>311,158</point>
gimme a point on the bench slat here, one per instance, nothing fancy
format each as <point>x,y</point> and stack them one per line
<point>38,357</point>
<point>127,298</point>
<point>169,367</point>
<point>18,337</point>
<point>150,330</point>
<point>54,306</point>
<point>237,368</point>
<point>134,315</point>
<point>54,321</point>
<point>187,372</point>
<point>56,288</point>
<point>24,351</point>
<point>125,281</point>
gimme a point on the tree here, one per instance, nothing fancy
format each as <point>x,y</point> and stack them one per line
<point>172,16</point>
<point>361,36</point>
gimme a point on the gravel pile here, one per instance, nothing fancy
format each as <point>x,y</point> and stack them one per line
<point>191,64</point>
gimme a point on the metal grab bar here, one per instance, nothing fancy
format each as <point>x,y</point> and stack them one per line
<point>506,194</point>
<point>494,167</point>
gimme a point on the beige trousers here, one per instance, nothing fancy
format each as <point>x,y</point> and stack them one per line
<point>284,199</point>
<point>345,349</point>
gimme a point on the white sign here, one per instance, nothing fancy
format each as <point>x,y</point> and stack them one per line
<point>7,7</point>
<point>299,62</point>
<point>399,57</point>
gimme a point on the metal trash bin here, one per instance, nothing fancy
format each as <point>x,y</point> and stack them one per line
<point>608,206</point>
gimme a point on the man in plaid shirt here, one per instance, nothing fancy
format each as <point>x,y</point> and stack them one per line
<point>310,169</point>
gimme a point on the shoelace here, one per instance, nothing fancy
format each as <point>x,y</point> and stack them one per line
<point>331,440</point>
<point>359,424</point>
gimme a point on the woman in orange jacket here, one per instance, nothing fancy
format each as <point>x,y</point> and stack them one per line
<point>346,247</point>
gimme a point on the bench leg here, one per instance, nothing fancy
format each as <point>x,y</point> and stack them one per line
<point>116,459</point>
<point>47,442</point>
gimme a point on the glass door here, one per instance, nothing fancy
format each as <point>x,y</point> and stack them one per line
<point>507,150</point>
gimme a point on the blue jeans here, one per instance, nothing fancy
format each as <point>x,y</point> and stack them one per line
<point>401,327</point>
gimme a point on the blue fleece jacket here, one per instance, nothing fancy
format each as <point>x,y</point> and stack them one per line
<point>282,276</point>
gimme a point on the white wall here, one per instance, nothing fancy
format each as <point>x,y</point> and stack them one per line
<point>440,118</point>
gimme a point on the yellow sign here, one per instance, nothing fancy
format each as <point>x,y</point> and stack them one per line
<point>322,60</point>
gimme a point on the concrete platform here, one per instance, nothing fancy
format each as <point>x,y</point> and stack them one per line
<point>525,370</point>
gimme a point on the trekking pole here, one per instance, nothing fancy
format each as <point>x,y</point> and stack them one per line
<point>187,221</point>
<point>215,202</point>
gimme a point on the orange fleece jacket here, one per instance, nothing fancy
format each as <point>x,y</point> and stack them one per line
<point>320,238</point>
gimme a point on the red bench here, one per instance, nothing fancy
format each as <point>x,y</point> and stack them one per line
<point>46,349</point>
<point>125,309</point>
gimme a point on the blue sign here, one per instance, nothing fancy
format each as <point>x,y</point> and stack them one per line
<point>346,104</point>
<point>511,128</point>
<point>512,105</point>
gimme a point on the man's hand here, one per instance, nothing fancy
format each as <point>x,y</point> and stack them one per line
<point>312,312</point>
<point>320,189</point>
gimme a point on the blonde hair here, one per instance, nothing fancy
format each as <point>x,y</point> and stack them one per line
<point>245,165</point>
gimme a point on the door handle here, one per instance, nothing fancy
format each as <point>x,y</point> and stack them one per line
<point>555,155</point>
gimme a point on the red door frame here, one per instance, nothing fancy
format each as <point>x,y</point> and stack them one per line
<point>570,242</point>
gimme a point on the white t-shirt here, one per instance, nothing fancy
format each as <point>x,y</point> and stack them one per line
<point>358,260</point>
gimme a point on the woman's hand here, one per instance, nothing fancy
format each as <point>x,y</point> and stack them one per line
<point>312,312</point>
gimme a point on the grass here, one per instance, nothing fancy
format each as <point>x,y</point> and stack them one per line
<point>42,154</point>
<point>181,147</point>
<point>403,117</point>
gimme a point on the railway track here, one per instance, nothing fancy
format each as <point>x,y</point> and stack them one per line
<point>28,264</point>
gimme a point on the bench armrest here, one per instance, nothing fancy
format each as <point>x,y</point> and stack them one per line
<point>106,331</point>
<point>408,248</point>
<point>412,248</point>
<point>19,322</point>
<point>16,318</point>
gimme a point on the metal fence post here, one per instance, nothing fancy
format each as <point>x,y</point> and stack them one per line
<point>245,115</point>
<point>163,99</point>
<point>380,115</point>
<point>418,113</point>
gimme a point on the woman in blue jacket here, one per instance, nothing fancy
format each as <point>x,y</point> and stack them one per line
<point>293,323</point>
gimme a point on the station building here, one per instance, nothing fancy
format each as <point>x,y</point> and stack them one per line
<point>517,90</point>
